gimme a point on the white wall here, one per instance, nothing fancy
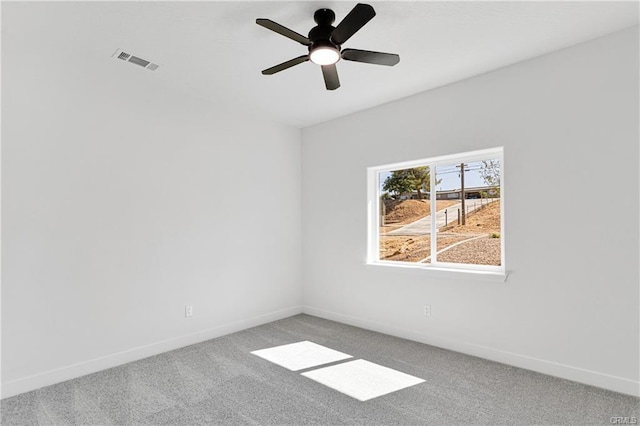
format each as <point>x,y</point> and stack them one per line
<point>568,122</point>
<point>122,204</point>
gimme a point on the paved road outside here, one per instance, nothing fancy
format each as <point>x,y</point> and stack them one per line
<point>423,226</point>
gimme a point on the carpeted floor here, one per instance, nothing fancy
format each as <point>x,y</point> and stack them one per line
<point>220,382</point>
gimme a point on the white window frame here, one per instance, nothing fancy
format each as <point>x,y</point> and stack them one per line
<point>490,272</point>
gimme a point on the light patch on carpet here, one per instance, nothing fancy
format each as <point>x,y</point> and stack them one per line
<point>300,355</point>
<point>362,380</point>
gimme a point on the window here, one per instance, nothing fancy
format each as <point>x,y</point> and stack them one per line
<point>459,197</point>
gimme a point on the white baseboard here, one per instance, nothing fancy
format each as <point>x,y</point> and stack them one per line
<point>593,378</point>
<point>36,381</point>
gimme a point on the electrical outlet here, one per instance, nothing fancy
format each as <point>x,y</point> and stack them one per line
<point>188,310</point>
<point>426,310</point>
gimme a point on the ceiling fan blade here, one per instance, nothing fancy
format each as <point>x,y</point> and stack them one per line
<point>288,64</point>
<point>330,74</point>
<point>378,58</point>
<point>359,15</point>
<point>274,26</point>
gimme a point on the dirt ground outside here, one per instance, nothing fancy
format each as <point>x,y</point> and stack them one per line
<point>485,220</point>
<point>476,242</point>
<point>413,249</point>
<point>399,213</point>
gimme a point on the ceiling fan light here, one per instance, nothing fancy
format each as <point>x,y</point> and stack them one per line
<point>324,55</point>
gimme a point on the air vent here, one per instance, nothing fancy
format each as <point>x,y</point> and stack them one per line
<point>127,57</point>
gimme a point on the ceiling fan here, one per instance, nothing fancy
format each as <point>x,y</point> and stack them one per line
<point>325,42</point>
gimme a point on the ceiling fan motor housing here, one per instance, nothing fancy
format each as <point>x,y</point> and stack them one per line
<point>320,35</point>
<point>324,17</point>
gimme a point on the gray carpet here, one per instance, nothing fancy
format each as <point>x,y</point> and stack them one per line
<point>220,382</point>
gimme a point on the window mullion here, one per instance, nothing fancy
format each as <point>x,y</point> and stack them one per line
<point>432,200</point>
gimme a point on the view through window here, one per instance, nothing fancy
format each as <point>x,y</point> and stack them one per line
<point>445,211</point>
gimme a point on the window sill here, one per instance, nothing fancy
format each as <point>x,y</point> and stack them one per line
<point>442,272</point>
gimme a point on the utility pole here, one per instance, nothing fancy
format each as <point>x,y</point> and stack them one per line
<point>464,213</point>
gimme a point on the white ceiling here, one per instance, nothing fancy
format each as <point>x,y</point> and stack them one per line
<point>215,51</point>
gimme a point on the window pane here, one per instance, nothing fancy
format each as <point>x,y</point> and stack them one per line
<point>469,227</point>
<point>405,224</point>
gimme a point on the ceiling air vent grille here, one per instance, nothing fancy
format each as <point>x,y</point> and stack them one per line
<point>127,57</point>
